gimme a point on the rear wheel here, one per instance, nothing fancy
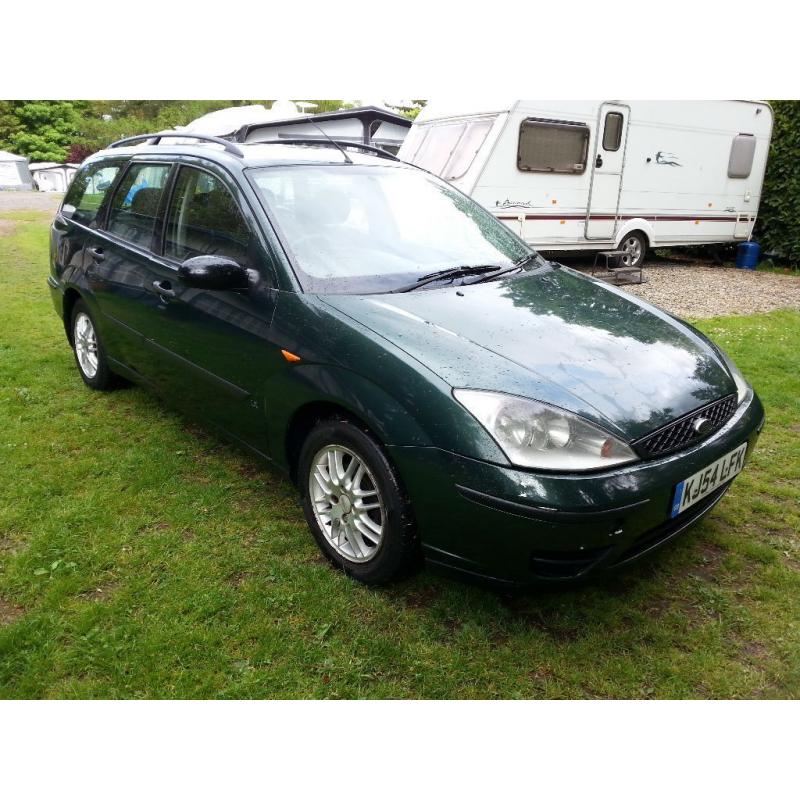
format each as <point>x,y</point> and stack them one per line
<point>90,355</point>
<point>354,503</point>
<point>635,247</point>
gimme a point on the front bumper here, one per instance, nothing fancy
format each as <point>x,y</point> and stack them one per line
<point>519,527</point>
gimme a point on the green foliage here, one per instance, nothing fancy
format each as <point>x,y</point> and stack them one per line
<point>412,112</point>
<point>778,227</point>
<point>42,130</point>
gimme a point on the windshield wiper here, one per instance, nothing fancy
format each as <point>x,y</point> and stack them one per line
<point>444,274</point>
<point>521,262</point>
<point>518,265</point>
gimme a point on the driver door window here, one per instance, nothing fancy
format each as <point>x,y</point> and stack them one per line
<point>203,219</point>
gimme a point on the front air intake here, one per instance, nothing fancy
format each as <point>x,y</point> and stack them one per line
<point>687,430</point>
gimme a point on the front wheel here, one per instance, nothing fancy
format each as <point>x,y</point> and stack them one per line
<point>355,505</point>
<point>634,246</point>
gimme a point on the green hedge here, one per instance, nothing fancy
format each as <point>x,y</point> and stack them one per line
<point>778,226</point>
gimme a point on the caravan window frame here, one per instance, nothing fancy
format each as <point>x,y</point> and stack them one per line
<point>564,125</point>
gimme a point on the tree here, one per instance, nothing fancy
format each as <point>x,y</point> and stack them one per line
<point>42,130</point>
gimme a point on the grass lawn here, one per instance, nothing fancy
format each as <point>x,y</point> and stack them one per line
<point>142,557</point>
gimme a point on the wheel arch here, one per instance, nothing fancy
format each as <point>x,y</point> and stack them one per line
<point>71,297</point>
<point>636,225</point>
<point>305,419</point>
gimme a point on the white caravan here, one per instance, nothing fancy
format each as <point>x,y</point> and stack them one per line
<point>50,176</point>
<point>600,175</point>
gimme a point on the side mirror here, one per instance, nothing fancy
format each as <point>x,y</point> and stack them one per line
<point>215,273</point>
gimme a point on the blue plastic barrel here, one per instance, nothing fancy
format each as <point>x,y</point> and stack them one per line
<point>747,255</point>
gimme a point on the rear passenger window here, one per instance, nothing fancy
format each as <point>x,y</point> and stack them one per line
<point>88,190</point>
<point>134,208</point>
<point>203,219</point>
<point>552,146</point>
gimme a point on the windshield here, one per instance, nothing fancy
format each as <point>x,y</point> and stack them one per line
<point>359,229</point>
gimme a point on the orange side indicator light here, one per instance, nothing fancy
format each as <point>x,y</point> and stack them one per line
<point>290,357</point>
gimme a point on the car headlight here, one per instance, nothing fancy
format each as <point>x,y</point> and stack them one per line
<point>533,434</point>
<point>742,386</point>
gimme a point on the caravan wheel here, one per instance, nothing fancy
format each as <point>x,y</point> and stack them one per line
<point>635,247</point>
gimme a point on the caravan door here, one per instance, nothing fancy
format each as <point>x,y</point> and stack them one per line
<point>609,160</point>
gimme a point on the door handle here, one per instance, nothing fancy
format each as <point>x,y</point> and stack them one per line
<point>97,253</point>
<point>164,288</point>
<point>598,162</point>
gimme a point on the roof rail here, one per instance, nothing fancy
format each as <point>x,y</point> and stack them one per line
<point>230,147</point>
<point>327,142</point>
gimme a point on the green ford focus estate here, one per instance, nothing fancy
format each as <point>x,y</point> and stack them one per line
<point>433,386</point>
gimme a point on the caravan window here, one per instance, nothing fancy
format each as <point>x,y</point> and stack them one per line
<point>88,189</point>
<point>471,141</point>
<point>612,132</point>
<point>448,149</point>
<point>552,146</point>
<point>742,151</point>
<point>435,149</point>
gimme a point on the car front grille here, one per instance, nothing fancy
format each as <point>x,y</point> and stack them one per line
<point>684,432</point>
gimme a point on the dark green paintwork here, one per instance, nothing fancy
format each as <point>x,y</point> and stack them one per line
<point>392,360</point>
<point>556,336</point>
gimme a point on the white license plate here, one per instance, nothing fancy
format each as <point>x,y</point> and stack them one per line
<point>702,483</point>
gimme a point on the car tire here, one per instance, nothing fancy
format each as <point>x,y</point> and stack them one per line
<point>355,504</point>
<point>87,347</point>
<point>635,246</point>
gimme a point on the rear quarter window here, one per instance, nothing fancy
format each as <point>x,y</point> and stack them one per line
<point>88,190</point>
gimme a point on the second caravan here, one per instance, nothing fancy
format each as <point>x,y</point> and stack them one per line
<point>584,175</point>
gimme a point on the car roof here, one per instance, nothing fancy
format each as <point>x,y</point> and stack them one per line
<point>256,154</point>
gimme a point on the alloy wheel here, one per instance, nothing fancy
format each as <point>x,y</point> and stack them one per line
<point>347,503</point>
<point>86,345</point>
<point>633,251</point>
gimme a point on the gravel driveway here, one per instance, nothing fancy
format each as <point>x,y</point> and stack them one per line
<point>698,289</point>
<point>23,201</point>
<point>703,291</point>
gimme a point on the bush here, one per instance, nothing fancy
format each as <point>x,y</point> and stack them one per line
<point>778,226</point>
